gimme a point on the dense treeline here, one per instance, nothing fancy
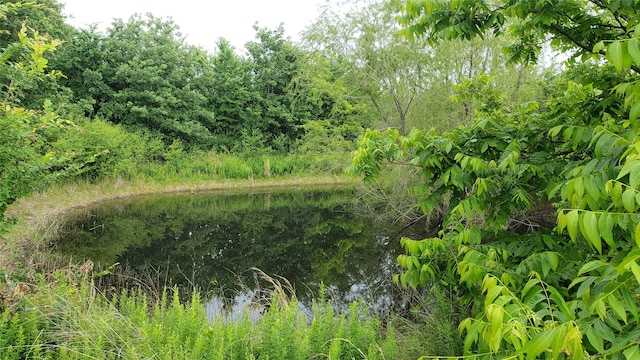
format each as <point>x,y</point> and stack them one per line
<point>142,74</point>
<point>138,95</point>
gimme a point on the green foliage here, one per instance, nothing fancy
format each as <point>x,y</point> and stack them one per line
<point>231,96</point>
<point>275,62</point>
<point>536,286</point>
<point>402,83</point>
<point>430,326</point>
<point>25,160</point>
<point>211,166</point>
<point>106,150</point>
<point>322,93</point>
<point>67,319</point>
<point>142,74</point>
<point>491,180</point>
<point>573,26</point>
<point>101,150</point>
<point>440,325</point>
<point>43,16</point>
<point>323,137</point>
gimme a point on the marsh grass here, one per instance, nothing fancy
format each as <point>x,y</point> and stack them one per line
<point>65,317</point>
<point>198,165</point>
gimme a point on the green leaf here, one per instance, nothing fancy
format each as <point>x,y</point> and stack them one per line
<point>635,111</point>
<point>558,341</point>
<point>448,147</point>
<point>573,220</point>
<point>617,306</point>
<point>615,191</point>
<point>578,185</point>
<point>495,314</point>
<point>590,266</point>
<point>416,262</point>
<point>614,55</point>
<point>635,269</point>
<point>625,264</point>
<point>539,343</point>
<point>627,60</point>
<point>585,286</point>
<point>595,340</point>
<point>632,353</point>
<point>629,200</point>
<point>634,50</point>
<point>604,331</point>
<point>555,131</point>
<point>591,186</point>
<point>605,227</point>
<point>628,168</point>
<point>634,173</point>
<point>589,228</point>
<point>529,285</point>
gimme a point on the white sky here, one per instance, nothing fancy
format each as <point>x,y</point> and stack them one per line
<point>203,22</point>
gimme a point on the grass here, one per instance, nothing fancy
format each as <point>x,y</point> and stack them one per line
<point>231,167</point>
<point>63,317</point>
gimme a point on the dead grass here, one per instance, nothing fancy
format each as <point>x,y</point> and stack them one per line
<point>40,215</point>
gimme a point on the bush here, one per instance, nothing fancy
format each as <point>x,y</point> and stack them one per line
<point>102,149</point>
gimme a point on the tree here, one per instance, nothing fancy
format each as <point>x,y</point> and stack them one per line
<point>405,83</point>
<point>275,62</point>
<point>81,59</point>
<point>574,26</point>
<point>44,18</point>
<point>142,74</point>
<point>25,162</point>
<point>321,92</point>
<point>535,284</point>
<point>231,96</point>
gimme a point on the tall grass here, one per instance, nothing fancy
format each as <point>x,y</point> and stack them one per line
<point>106,151</point>
<point>63,317</point>
<point>431,320</point>
<point>214,166</point>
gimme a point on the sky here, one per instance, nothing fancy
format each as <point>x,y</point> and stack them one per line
<point>202,21</point>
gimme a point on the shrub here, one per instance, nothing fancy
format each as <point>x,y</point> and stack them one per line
<point>102,149</point>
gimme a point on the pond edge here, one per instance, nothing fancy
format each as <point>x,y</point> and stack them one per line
<point>40,215</point>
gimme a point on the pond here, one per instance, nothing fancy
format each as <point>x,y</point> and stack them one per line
<point>212,241</point>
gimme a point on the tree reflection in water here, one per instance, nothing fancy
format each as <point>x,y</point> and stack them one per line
<point>211,241</point>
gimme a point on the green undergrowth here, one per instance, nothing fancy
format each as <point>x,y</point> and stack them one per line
<point>62,316</point>
<point>215,166</point>
<point>200,166</point>
<point>98,149</point>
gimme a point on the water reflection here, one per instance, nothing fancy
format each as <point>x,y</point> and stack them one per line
<point>210,241</point>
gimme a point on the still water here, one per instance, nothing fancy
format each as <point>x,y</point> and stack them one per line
<point>211,242</point>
